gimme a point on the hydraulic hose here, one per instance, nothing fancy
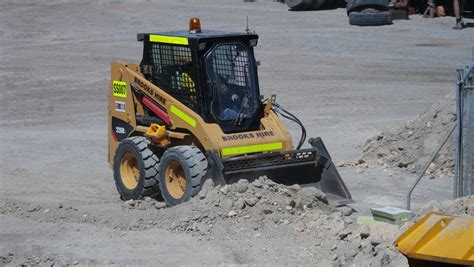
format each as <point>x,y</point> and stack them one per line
<point>287,115</point>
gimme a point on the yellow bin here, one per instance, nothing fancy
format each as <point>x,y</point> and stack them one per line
<point>441,238</point>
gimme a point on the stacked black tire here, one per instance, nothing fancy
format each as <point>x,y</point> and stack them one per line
<point>368,12</point>
<point>304,5</point>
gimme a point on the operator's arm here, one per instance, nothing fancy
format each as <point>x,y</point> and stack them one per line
<point>399,4</point>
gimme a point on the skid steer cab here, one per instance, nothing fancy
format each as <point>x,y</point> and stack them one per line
<point>192,110</point>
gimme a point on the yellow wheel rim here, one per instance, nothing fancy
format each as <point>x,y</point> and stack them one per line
<point>175,179</point>
<point>129,171</point>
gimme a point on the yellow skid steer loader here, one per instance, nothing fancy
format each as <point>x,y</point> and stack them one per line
<point>192,110</point>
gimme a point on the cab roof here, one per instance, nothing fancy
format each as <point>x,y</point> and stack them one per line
<point>204,34</point>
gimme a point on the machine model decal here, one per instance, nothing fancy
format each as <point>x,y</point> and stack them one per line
<point>247,135</point>
<point>169,39</point>
<point>119,89</point>
<point>183,116</point>
<point>120,106</point>
<point>251,149</point>
<point>149,90</point>
<point>120,129</point>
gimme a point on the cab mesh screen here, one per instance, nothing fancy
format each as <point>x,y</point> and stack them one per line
<point>230,61</point>
<point>172,71</point>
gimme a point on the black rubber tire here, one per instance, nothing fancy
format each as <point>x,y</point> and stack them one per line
<point>194,164</point>
<point>148,163</point>
<point>341,3</point>
<point>370,19</point>
<point>301,5</point>
<point>359,5</point>
<point>298,5</point>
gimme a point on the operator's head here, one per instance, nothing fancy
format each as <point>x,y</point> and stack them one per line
<point>183,60</point>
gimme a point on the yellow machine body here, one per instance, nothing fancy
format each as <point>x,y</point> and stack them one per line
<point>273,136</point>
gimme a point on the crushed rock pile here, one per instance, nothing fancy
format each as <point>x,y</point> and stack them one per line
<point>461,207</point>
<point>262,198</point>
<point>263,208</point>
<point>412,145</point>
<point>269,195</point>
<point>260,213</point>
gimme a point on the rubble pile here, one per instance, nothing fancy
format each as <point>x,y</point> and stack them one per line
<point>257,212</point>
<point>270,196</point>
<point>461,207</point>
<point>260,208</point>
<point>261,198</point>
<point>411,146</point>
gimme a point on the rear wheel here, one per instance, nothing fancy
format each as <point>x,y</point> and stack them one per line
<point>136,169</point>
<point>180,173</point>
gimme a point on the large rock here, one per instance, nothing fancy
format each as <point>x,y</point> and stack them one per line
<point>239,204</point>
<point>206,186</point>
<point>226,203</point>
<point>309,196</point>
<point>240,187</point>
<point>251,201</point>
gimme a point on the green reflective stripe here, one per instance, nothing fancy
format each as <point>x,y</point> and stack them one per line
<point>168,39</point>
<point>183,116</point>
<point>251,149</point>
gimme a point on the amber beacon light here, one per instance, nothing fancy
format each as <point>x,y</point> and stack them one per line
<point>194,25</point>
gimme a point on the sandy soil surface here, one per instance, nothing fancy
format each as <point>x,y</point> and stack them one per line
<point>58,203</point>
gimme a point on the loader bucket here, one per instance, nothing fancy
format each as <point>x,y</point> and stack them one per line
<point>331,182</point>
<point>303,166</point>
<point>439,239</point>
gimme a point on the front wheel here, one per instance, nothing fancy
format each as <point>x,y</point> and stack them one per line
<point>180,173</point>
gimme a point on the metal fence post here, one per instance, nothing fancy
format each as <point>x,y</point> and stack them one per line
<point>464,128</point>
<point>464,162</point>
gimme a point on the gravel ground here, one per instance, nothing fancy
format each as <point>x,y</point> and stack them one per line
<point>346,83</point>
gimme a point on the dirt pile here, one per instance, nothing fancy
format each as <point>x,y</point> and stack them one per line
<point>461,207</point>
<point>411,146</point>
<point>255,213</point>
<point>250,201</point>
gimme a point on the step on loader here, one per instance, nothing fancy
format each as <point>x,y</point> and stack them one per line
<point>192,110</point>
